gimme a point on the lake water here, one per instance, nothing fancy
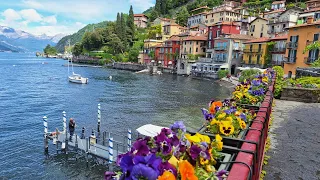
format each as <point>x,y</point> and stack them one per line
<point>30,90</point>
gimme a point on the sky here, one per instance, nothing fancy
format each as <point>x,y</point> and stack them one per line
<point>53,17</point>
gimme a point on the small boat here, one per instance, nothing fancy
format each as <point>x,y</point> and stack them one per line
<point>75,78</point>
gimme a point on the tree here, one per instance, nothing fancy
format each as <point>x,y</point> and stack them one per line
<point>116,44</point>
<point>133,54</point>
<point>153,15</point>
<point>182,17</point>
<point>163,5</point>
<point>131,27</point>
<point>77,49</point>
<point>313,47</point>
<point>157,6</point>
<point>86,41</point>
<point>117,28</point>
<point>153,31</point>
<point>50,50</point>
<point>46,49</point>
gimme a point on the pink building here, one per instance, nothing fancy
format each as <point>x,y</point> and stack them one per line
<point>140,20</point>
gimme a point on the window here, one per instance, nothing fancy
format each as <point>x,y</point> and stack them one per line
<point>211,15</point>
<point>190,50</point>
<point>197,42</point>
<point>261,34</point>
<point>258,58</point>
<point>210,35</point>
<point>250,59</point>
<point>315,37</point>
<point>196,49</point>
<point>218,33</point>
<point>227,19</point>
<point>292,55</point>
<point>190,42</point>
<point>209,45</point>
<point>203,49</point>
<point>185,50</point>
<point>185,43</point>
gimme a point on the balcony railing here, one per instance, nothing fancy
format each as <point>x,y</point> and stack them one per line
<point>237,48</point>
<point>220,48</point>
<point>278,50</point>
<point>205,60</point>
<point>290,60</point>
<point>277,63</point>
<point>252,50</point>
<point>219,59</point>
<point>309,60</point>
<point>292,45</point>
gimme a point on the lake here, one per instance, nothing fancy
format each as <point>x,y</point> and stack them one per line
<point>30,90</point>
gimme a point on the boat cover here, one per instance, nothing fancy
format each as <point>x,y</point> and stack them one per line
<point>149,130</point>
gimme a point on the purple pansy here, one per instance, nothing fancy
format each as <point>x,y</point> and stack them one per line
<point>166,166</point>
<point>140,147</point>
<point>146,167</point>
<point>207,116</point>
<point>220,173</point>
<point>109,175</point>
<point>195,151</point>
<point>243,116</point>
<point>178,125</point>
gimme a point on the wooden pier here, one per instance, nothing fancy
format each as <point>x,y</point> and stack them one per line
<point>105,146</point>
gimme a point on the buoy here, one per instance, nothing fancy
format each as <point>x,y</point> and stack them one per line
<point>13,65</point>
<point>110,77</point>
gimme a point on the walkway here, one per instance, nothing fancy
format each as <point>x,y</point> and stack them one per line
<point>295,148</point>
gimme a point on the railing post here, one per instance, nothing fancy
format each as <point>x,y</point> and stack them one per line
<point>64,119</point>
<point>129,139</point>
<point>104,138</point>
<point>82,133</point>
<point>99,119</point>
<point>45,132</point>
<point>110,150</point>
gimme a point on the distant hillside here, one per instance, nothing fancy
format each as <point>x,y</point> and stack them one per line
<point>76,37</point>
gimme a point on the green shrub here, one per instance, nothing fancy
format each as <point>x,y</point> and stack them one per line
<point>279,81</point>
<point>305,82</point>
<point>248,74</point>
<point>102,62</point>
<point>222,73</point>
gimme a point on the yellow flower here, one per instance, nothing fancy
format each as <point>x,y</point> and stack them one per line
<point>229,119</point>
<point>218,138</point>
<point>214,121</point>
<point>222,115</point>
<point>209,168</point>
<point>226,128</point>
<point>265,79</point>
<point>237,113</point>
<point>173,161</point>
<point>219,146</point>
<point>203,161</point>
<point>203,138</point>
<point>192,139</point>
<point>243,124</point>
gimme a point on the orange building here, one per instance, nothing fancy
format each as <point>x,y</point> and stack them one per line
<point>299,37</point>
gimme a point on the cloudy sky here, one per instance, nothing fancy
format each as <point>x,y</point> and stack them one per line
<point>63,16</point>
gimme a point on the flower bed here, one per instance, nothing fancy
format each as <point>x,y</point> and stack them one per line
<point>232,139</point>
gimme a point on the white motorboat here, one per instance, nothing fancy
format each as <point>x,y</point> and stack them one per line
<point>75,78</point>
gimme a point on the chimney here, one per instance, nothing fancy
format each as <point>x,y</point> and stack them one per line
<point>310,20</point>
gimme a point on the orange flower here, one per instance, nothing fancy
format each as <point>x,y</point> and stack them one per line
<point>212,109</point>
<point>218,103</point>
<point>167,175</point>
<point>187,171</point>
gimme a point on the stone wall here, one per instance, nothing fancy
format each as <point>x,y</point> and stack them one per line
<point>307,95</point>
<point>129,66</point>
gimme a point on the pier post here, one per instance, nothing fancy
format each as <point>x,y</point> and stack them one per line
<point>66,140</point>
<point>87,151</point>
<point>57,143</point>
<point>129,139</point>
<point>76,143</point>
<point>110,150</point>
<point>104,138</point>
<point>64,119</point>
<point>45,125</point>
<point>99,119</point>
<point>82,134</point>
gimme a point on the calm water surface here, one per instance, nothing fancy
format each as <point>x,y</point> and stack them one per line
<point>30,90</point>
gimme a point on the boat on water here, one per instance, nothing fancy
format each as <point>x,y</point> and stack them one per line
<point>75,78</point>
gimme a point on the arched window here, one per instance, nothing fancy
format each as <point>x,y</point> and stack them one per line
<point>182,66</point>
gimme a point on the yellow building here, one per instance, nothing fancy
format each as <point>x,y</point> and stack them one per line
<point>258,28</point>
<point>299,37</point>
<point>147,48</point>
<point>254,52</point>
<point>171,28</point>
<point>194,45</point>
<point>221,15</point>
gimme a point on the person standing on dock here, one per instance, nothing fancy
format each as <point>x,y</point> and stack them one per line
<point>72,125</point>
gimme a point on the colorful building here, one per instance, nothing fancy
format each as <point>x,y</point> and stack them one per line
<point>254,53</point>
<point>171,50</point>
<point>192,46</point>
<point>272,14</point>
<point>279,50</point>
<point>314,13</point>
<point>148,47</point>
<point>313,4</point>
<point>197,16</point>
<point>258,28</point>
<point>140,20</point>
<point>299,37</point>
<point>218,29</point>
<point>171,28</point>
<point>278,26</point>
<point>222,16</point>
<point>276,5</point>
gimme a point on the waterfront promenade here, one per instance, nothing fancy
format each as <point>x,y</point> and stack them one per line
<point>295,143</point>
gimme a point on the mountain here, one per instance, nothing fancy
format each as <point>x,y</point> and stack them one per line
<point>20,41</point>
<point>54,39</point>
<point>76,37</point>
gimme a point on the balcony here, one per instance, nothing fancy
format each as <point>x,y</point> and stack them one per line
<point>278,50</point>
<point>292,45</point>
<point>220,48</point>
<point>276,21</point>
<point>290,60</point>
<point>205,60</point>
<point>309,60</point>
<point>279,63</point>
<point>252,50</point>
<point>237,48</point>
<point>219,59</point>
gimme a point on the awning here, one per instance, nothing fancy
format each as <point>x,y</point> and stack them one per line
<point>149,130</point>
<point>170,62</point>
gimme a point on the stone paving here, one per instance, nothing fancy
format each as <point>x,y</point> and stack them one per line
<point>295,142</point>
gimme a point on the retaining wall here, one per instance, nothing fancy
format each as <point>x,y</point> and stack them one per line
<point>129,66</point>
<point>306,95</point>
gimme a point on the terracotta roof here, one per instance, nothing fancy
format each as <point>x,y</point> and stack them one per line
<point>202,7</point>
<point>263,39</point>
<point>172,24</point>
<point>279,37</point>
<point>173,38</point>
<point>258,18</point>
<point>278,2</point>
<point>306,24</point>
<point>197,14</point>
<point>275,11</point>
<point>224,23</point>
<point>157,45</point>
<point>165,19</point>
<point>201,37</point>
<point>181,27</point>
<point>223,10</point>
<point>312,1</point>
<point>311,10</point>
<point>138,15</point>
<point>240,36</point>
